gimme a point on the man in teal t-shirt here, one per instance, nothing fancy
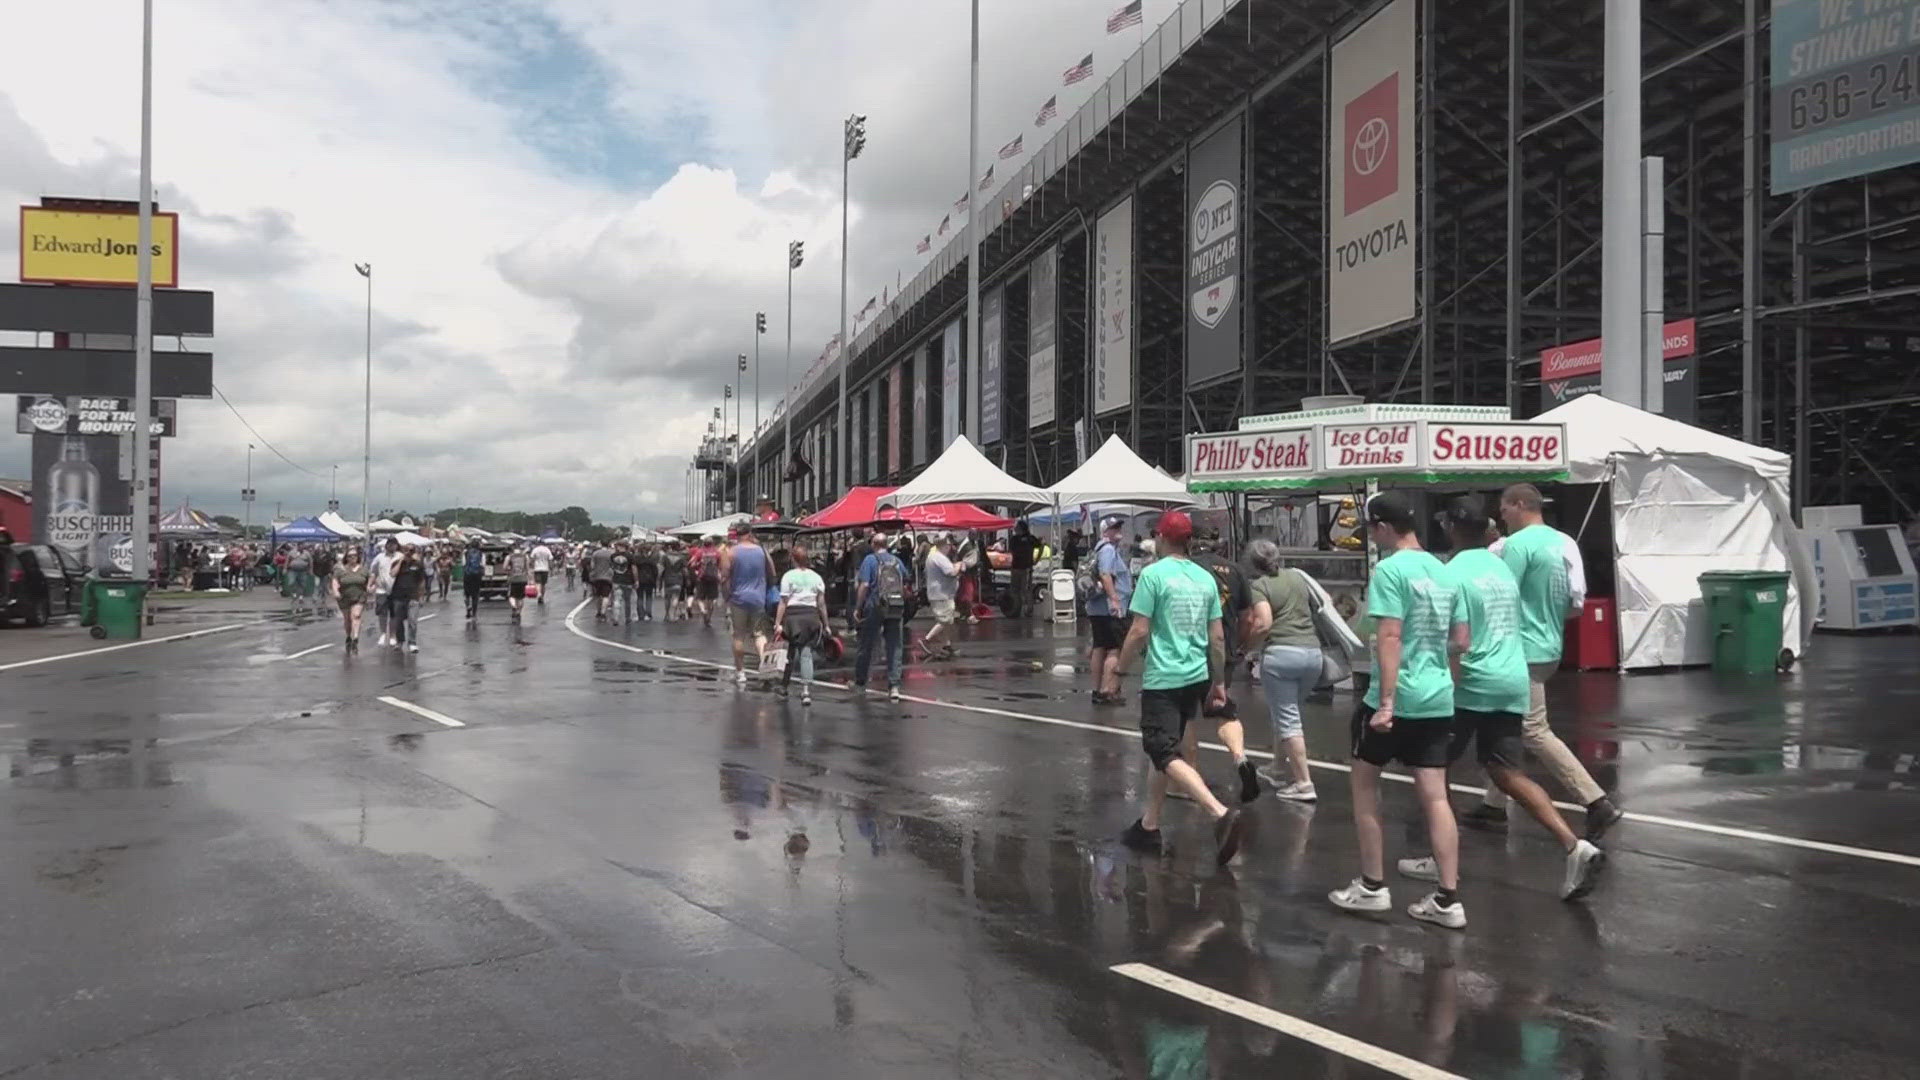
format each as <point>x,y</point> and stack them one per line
<point>1176,623</point>
<point>1408,712</point>
<point>1493,696</point>
<point>1553,586</point>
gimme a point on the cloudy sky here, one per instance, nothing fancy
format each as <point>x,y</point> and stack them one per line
<point>573,209</point>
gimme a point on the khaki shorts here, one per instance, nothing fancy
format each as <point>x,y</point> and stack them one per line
<point>747,621</point>
<point>943,611</point>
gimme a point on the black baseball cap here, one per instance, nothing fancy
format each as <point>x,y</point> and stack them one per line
<point>1391,508</point>
<point>1467,513</point>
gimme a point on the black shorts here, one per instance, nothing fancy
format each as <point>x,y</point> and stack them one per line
<point>1496,737</point>
<point>517,590</point>
<point>1164,716</point>
<point>602,588</point>
<point>471,584</point>
<point>1415,743</point>
<point>709,588</point>
<point>540,577</point>
<point>1109,631</point>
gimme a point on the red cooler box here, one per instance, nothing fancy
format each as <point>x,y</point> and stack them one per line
<point>1593,641</point>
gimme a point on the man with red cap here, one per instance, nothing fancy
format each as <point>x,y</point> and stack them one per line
<point>1176,623</point>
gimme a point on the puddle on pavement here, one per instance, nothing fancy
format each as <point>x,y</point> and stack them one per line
<point>460,832</point>
<point>90,764</point>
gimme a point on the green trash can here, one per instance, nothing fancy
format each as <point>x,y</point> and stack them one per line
<point>1744,613</point>
<point>113,607</point>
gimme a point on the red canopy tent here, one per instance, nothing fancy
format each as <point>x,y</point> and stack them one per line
<point>860,506</point>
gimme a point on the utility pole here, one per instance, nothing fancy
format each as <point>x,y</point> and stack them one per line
<point>143,314</point>
<point>246,495</point>
<point>796,254</point>
<point>759,331</point>
<point>739,437</point>
<point>366,453</point>
<point>854,142</point>
<point>973,221</point>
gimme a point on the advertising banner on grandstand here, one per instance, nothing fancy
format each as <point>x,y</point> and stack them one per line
<point>1573,370</point>
<point>992,363</point>
<point>90,247</point>
<point>893,414</point>
<point>870,425</point>
<point>1113,309</point>
<point>950,385</point>
<point>1042,336</point>
<point>1213,255</point>
<point>1844,91</point>
<point>1372,226</point>
<point>922,362</point>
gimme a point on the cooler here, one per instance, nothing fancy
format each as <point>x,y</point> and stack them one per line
<point>1593,639</point>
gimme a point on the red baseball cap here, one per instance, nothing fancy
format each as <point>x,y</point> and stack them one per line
<point>1175,526</point>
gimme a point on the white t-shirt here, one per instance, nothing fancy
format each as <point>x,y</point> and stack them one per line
<point>801,587</point>
<point>542,560</point>
<point>382,572</point>
<point>943,581</point>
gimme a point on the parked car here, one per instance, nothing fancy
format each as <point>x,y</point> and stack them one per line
<point>38,582</point>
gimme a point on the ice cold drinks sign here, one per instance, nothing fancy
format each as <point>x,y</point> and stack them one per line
<point>1387,447</point>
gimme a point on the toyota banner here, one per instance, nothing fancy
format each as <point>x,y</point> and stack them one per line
<point>1372,227</point>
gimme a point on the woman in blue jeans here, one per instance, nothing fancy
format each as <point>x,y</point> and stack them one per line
<point>1289,663</point>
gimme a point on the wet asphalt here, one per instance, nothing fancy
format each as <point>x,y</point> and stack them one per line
<point>219,860</point>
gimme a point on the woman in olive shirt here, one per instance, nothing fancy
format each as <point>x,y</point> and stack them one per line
<point>350,592</point>
<point>1289,663</point>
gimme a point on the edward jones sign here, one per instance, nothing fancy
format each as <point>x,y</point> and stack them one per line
<point>1495,447</point>
<point>1250,455</point>
<point>88,247</point>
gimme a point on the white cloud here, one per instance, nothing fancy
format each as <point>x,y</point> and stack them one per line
<point>573,209</point>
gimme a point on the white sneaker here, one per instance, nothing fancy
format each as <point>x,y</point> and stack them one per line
<point>739,678</point>
<point>384,642</point>
<point>413,648</point>
<point>1357,897</point>
<point>1428,909</point>
<point>806,695</point>
<point>1419,869</point>
<point>1584,863</point>
<point>1295,791</point>
<point>893,693</point>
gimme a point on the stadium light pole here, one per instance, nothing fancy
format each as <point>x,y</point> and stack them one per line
<point>796,254</point>
<point>366,447</point>
<point>973,217</point>
<point>759,331</point>
<point>739,435</point>
<point>854,141</point>
<point>143,317</point>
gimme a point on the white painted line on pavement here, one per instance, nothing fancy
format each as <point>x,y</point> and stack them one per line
<point>1873,854</point>
<point>1353,1049</point>
<point>438,718</point>
<point>424,618</point>
<point>128,645</point>
<point>308,652</point>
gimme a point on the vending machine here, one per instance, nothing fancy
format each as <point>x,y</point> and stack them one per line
<point>1866,574</point>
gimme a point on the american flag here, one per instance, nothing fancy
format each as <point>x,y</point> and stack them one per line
<point>960,204</point>
<point>1012,149</point>
<point>1125,17</point>
<point>943,224</point>
<point>1079,71</point>
<point>926,243</point>
<point>1048,111</point>
<point>987,180</point>
<point>872,302</point>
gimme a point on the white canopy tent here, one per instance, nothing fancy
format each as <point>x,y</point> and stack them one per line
<point>963,474</point>
<point>385,525</point>
<point>340,525</point>
<point>412,539</point>
<point>1685,501</point>
<point>711,527</point>
<point>1118,475</point>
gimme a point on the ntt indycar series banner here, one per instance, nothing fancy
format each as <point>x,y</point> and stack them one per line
<point>1371,223</point>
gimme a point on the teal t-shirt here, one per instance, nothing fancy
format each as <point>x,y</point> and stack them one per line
<point>1493,673</point>
<point>1537,555</point>
<point>1413,586</point>
<point>1180,601</point>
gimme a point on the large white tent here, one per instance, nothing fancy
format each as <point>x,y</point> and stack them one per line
<point>1116,474</point>
<point>963,474</point>
<point>711,527</point>
<point>1685,501</point>
<point>340,525</point>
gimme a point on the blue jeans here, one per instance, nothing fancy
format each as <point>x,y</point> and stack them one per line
<point>1287,674</point>
<point>874,629</point>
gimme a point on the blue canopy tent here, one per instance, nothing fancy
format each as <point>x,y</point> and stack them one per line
<point>304,530</point>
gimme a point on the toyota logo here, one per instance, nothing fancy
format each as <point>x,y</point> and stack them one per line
<point>1370,145</point>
